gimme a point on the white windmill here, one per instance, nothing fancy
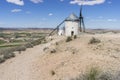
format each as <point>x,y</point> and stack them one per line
<point>73,25</point>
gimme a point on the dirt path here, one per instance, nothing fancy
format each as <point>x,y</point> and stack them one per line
<point>20,67</point>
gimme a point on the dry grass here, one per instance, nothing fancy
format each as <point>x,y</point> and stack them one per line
<point>68,39</point>
<point>94,40</point>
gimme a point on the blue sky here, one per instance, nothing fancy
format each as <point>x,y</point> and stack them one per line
<point>49,13</point>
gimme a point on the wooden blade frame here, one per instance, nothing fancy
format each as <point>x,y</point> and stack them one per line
<point>82,25</point>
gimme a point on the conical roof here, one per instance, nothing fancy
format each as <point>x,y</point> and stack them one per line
<point>72,17</point>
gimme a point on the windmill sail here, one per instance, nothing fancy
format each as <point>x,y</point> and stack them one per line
<point>57,28</point>
<point>81,21</point>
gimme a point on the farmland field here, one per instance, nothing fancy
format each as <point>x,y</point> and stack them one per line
<point>19,37</point>
<point>19,40</point>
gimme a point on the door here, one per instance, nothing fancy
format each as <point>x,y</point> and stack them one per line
<point>72,33</point>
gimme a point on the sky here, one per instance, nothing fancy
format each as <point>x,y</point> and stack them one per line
<point>102,14</point>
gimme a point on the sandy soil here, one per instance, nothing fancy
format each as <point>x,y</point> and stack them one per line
<point>68,60</point>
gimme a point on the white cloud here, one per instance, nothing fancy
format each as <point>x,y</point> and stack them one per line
<point>50,14</point>
<point>17,2</point>
<point>16,10</point>
<point>112,20</point>
<point>87,2</point>
<point>37,1</point>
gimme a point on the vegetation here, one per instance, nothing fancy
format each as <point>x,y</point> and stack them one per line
<point>36,42</point>
<point>8,55</point>
<point>94,41</point>
<point>52,72</point>
<point>68,39</point>
<point>53,51</point>
<point>20,48</point>
<point>9,45</point>
<point>2,41</point>
<point>5,35</point>
<point>95,74</point>
<point>92,74</point>
<point>18,41</point>
<point>29,45</point>
<point>2,59</point>
<point>75,36</point>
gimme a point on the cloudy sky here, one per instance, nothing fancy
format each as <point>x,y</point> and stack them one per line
<point>49,13</point>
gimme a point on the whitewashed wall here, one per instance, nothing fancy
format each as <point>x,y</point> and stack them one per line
<point>71,26</point>
<point>60,32</point>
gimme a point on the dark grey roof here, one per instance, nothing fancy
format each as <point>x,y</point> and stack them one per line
<point>72,17</point>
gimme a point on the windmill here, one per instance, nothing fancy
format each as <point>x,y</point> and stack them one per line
<point>81,21</point>
<point>72,18</point>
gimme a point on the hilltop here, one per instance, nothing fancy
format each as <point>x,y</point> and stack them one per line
<point>61,60</point>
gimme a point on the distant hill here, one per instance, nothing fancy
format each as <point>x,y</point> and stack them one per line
<point>1,29</point>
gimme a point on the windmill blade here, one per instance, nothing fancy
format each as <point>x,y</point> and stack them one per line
<point>52,31</point>
<point>80,26</point>
<point>80,11</point>
<point>83,25</point>
<point>81,21</point>
<point>57,28</point>
<point>80,18</point>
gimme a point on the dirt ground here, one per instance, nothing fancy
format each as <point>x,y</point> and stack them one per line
<point>61,60</point>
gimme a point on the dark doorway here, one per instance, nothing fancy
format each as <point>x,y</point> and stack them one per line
<point>72,33</point>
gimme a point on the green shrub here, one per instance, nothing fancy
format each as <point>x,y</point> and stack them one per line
<point>94,74</point>
<point>68,39</point>
<point>36,42</point>
<point>8,50</point>
<point>2,41</point>
<point>2,60</point>
<point>29,45</point>
<point>75,36</point>
<point>8,55</point>
<point>94,40</point>
<point>21,48</point>
<point>16,41</point>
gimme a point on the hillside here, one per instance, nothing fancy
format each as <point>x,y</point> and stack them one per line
<point>61,60</point>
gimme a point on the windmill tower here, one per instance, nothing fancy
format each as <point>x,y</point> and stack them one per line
<point>82,25</point>
<point>72,25</point>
